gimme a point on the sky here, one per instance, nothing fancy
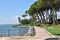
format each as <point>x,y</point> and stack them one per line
<point>11,9</point>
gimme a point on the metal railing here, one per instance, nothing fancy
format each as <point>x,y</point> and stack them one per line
<point>17,32</point>
<point>14,32</point>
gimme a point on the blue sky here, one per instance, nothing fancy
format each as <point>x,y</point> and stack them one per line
<point>11,9</point>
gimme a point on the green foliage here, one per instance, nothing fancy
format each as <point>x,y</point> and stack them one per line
<point>34,20</point>
<point>38,24</point>
<point>54,30</point>
<point>40,6</point>
<point>24,15</point>
<point>16,25</point>
<point>25,21</point>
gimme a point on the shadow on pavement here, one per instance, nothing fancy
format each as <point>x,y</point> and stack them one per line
<point>52,39</point>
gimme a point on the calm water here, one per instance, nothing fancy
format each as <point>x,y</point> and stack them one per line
<point>8,30</point>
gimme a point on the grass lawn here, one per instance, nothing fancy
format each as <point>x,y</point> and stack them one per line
<point>54,30</point>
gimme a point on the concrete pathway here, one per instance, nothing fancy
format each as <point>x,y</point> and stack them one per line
<point>41,34</point>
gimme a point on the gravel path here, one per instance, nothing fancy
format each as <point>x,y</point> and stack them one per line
<point>41,34</point>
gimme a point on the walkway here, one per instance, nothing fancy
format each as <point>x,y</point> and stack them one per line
<point>41,34</point>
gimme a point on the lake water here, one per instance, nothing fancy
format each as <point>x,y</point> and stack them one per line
<point>8,30</point>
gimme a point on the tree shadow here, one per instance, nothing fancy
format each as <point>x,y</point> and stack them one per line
<point>52,39</point>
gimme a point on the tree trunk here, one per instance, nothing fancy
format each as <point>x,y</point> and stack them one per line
<point>38,19</point>
<point>54,16</point>
<point>41,17</point>
<point>50,17</point>
<point>56,19</point>
<point>47,16</point>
